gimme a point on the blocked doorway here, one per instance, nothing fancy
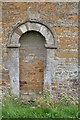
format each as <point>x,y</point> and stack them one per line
<point>14,47</point>
<point>32,62</point>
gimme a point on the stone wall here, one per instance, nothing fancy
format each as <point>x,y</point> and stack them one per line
<point>32,62</point>
<point>62,19</point>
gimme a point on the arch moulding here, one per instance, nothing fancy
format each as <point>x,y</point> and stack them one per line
<point>13,52</point>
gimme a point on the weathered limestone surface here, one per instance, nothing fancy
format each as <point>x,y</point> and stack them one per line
<point>13,67</point>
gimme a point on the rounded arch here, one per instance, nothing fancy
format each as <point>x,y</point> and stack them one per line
<point>13,52</point>
<point>25,26</point>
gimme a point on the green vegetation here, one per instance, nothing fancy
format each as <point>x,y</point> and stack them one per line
<point>14,108</point>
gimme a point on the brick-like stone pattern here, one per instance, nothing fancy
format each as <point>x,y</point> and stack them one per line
<point>62,19</point>
<point>32,62</point>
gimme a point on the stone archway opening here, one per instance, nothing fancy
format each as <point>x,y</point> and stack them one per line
<point>32,61</point>
<point>14,53</point>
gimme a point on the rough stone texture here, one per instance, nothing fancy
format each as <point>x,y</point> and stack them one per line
<point>13,67</point>
<point>0,60</point>
<point>40,1</point>
<point>32,62</point>
<point>62,19</point>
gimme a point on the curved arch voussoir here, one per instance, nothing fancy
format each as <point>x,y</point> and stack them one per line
<point>15,38</point>
<point>29,26</point>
